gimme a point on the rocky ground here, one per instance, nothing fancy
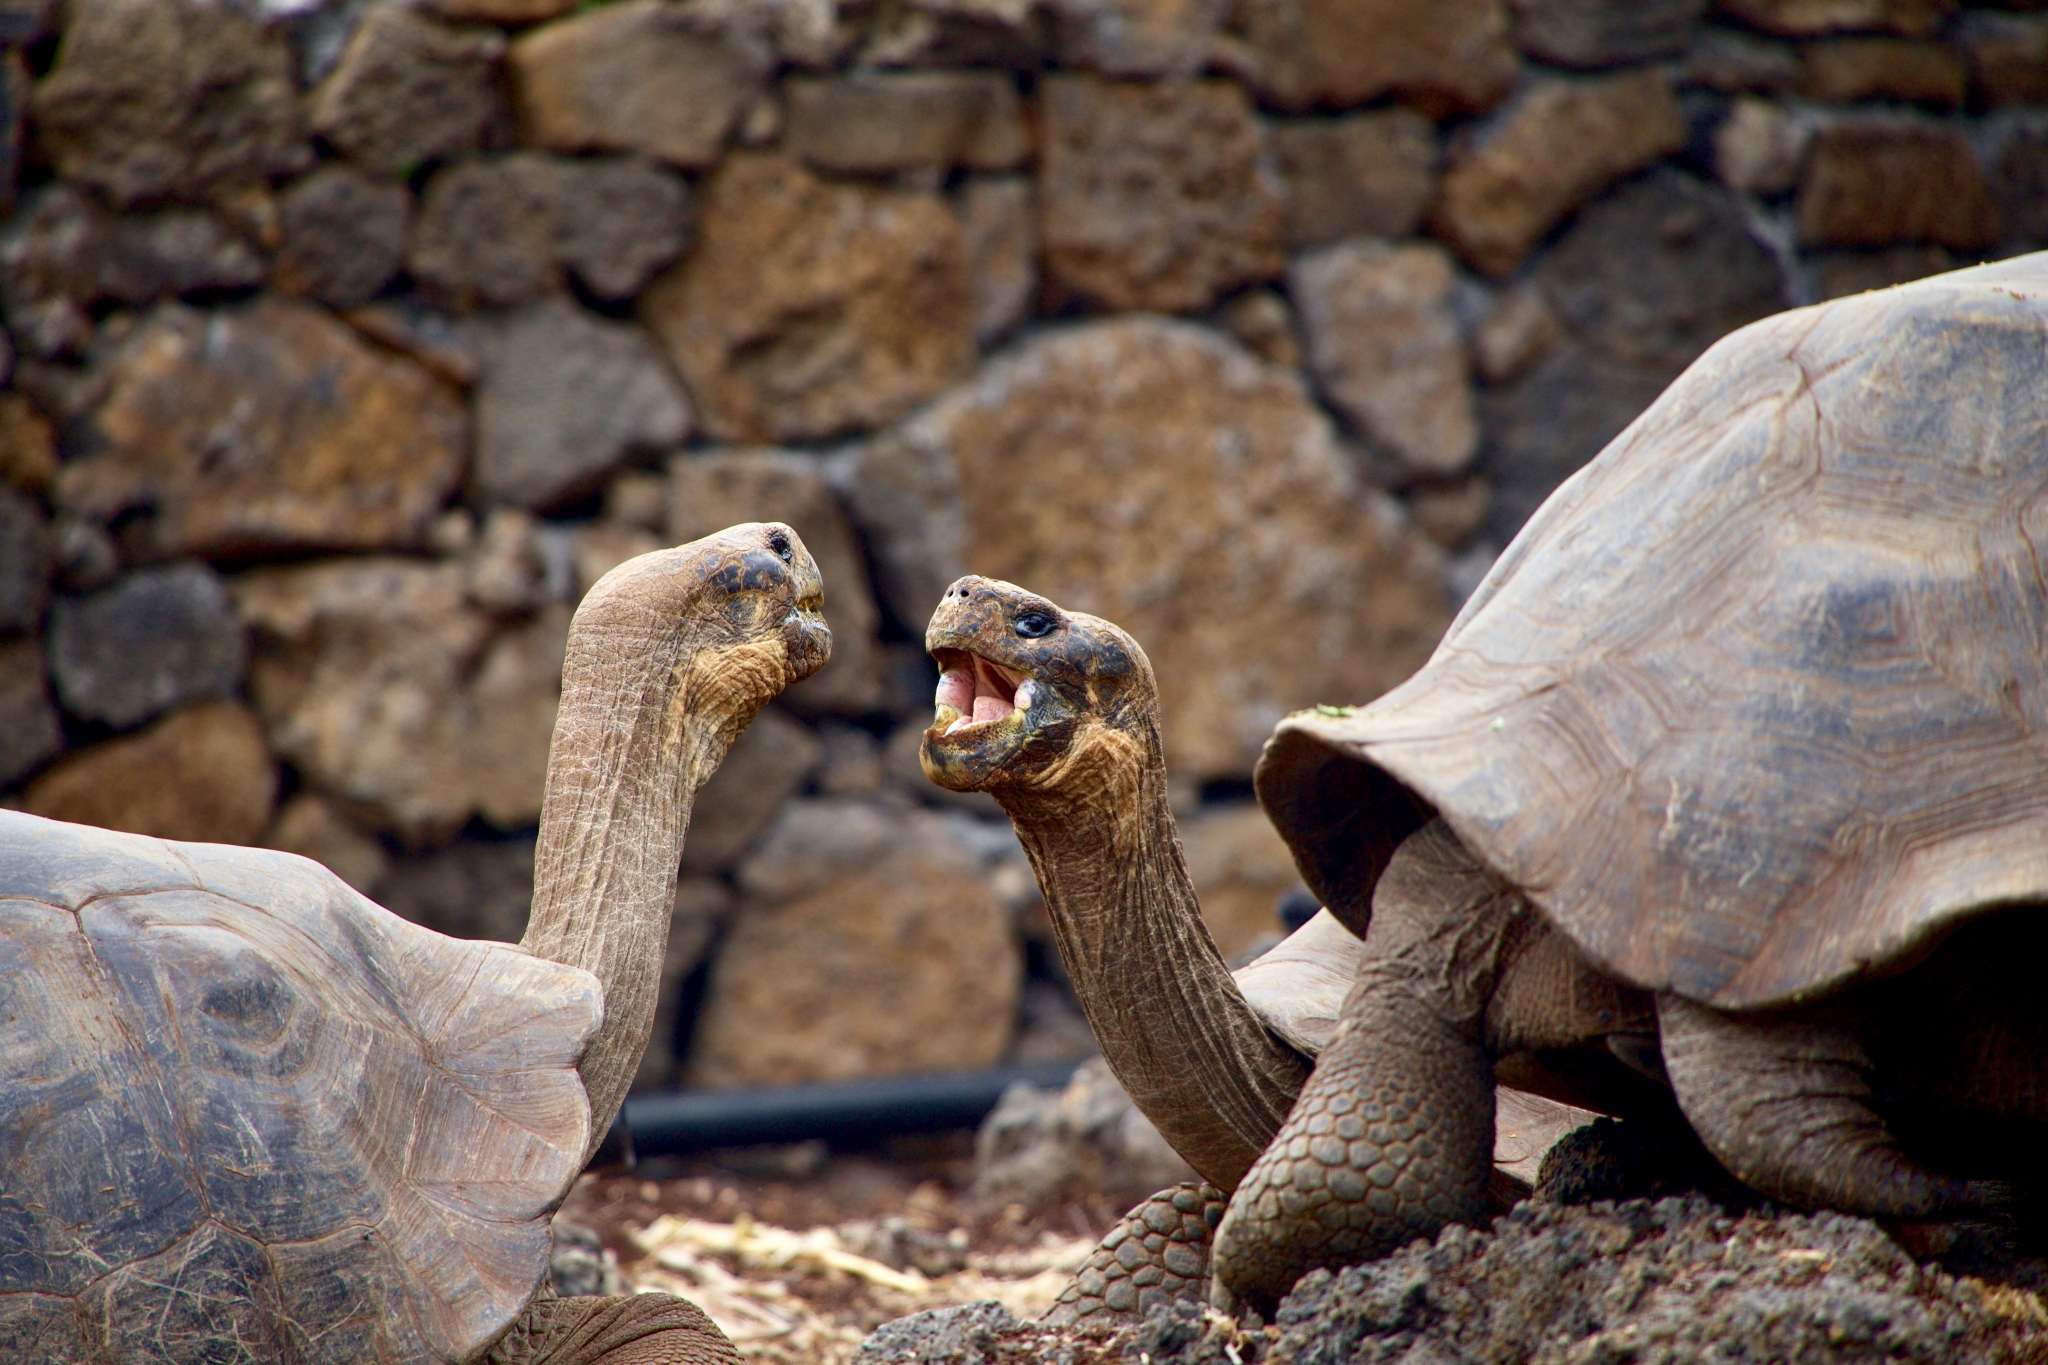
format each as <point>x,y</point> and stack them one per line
<point>938,1251</point>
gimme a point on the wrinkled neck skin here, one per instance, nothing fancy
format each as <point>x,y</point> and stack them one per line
<point>647,715</point>
<point>1173,1025</point>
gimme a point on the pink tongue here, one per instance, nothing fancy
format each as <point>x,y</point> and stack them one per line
<point>956,689</point>
<point>991,708</point>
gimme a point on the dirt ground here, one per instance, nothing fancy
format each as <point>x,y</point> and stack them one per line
<point>801,1256</point>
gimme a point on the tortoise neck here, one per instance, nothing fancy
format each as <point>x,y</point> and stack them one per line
<point>1173,1026</point>
<point>643,724</point>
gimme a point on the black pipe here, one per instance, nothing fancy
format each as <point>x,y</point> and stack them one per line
<point>671,1123</point>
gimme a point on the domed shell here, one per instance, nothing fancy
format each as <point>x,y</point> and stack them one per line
<point>248,1115</point>
<point>1758,701</point>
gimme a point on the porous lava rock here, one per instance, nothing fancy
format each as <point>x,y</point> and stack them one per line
<point>867,945</point>
<point>711,490</point>
<point>810,308</point>
<point>1561,143</point>
<point>201,774</point>
<point>1241,869</point>
<point>1359,175</point>
<point>27,559</point>
<point>1589,34</point>
<point>386,687</point>
<point>1153,472</point>
<point>408,90</point>
<point>264,428</point>
<point>1153,195</point>
<point>1870,183</point>
<point>30,730</point>
<point>1387,350</point>
<point>1810,18</point>
<point>1440,56</point>
<point>156,639</point>
<point>999,227</point>
<point>872,123</point>
<point>155,99</point>
<point>643,76</point>
<point>342,235</point>
<point>1643,282</point>
<point>563,397</point>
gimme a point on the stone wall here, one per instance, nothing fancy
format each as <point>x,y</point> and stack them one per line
<point>347,343</point>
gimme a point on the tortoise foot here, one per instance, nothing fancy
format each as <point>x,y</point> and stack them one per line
<point>1157,1253</point>
<point>624,1329</point>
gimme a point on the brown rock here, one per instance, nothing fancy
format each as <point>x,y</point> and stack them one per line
<point>16,90</point>
<point>563,397</point>
<point>1262,321</point>
<point>315,827</point>
<point>27,560</point>
<point>1362,175</point>
<point>1518,331</point>
<point>1644,281</point>
<point>767,765</point>
<point>2008,57</point>
<point>1840,70</point>
<point>868,946</point>
<point>1855,272</point>
<point>1385,347</point>
<point>408,90</point>
<point>999,227</point>
<point>332,443</point>
<point>200,774</point>
<point>1589,34</point>
<point>168,98</point>
<point>1760,147</point>
<point>1808,18</point>
<point>28,444</point>
<point>1153,196</point>
<point>1557,146</point>
<point>642,76</point>
<point>500,11</point>
<point>502,230</point>
<point>808,309</point>
<point>712,490</point>
<point>1241,869</point>
<point>1451,513</point>
<point>1875,184</point>
<point>601,546</point>
<point>387,688</point>
<point>30,731</point>
<point>409,325</point>
<point>474,888</point>
<point>1440,56</point>
<point>158,638</point>
<point>342,236</point>
<point>1177,486</point>
<point>1138,37</point>
<point>1732,62</point>
<point>874,122</point>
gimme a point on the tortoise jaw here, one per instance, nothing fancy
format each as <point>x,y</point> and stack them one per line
<point>983,714</point>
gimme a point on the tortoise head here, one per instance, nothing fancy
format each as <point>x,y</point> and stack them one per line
<point>746,603</point>
<point>1030,696</point>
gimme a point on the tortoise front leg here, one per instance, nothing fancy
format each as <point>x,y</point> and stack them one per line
<point>1391,1139</point>
<point>620,1329</point>
<point>1157,1253</point>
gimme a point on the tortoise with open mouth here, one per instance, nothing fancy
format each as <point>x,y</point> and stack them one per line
<point>1730,784</point>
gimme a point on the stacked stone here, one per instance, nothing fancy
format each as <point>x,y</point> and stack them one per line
<point>347,344</point>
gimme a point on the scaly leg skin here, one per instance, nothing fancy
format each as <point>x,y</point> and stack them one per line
<point>1784,1104</point>
<point>1157,1253</point>
<point>628,1329</point>
<point>1391,1139</point>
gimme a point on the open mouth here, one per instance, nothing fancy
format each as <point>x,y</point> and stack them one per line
<point>974,692</point>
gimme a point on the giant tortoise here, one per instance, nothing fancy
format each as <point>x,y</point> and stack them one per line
<point>247,1115</point>
<point>1729,783</point>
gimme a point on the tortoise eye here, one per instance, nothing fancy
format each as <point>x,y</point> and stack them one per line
<point>1032,624</point>
<point>779,543</point>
